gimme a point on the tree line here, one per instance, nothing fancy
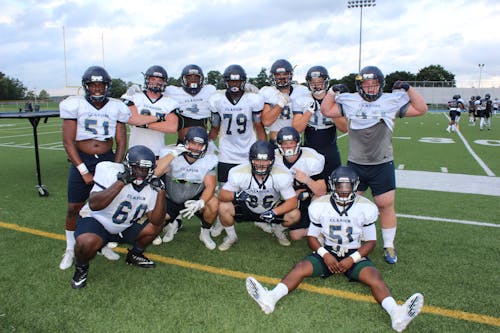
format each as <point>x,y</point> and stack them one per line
<point>13,89</point>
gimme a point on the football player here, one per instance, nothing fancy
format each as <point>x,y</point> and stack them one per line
<point>320,132</point>
<point>123,193</point>
<point>91,126</point>
<point>190,181</point>
<point>192,97</point>
<point>455,105</point>
<point>343,220</point>
<point>278,98</point>
<point>152,113</point>
<point>253,192</point>
<point>371,115</point>
<point>306,165</point>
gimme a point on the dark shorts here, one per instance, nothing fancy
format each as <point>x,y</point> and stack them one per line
<point>380,178</point>
<point>454,114</point>
<point>91,225</point>
<point>185,122</point>
<point>78,191</point>
<point>320,268</point>
<point>243,214</point>
<point>223,171</point>
<point>304,221</point>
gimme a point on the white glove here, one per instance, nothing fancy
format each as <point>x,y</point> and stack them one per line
<point>178,150</point>
<point>282,99</point>
<point>131,91</point>
<point>192,206</point>
<point>212,148</point>
<point>251,88</point>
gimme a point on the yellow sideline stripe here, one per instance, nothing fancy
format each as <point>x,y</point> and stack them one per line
<point>461,315</point>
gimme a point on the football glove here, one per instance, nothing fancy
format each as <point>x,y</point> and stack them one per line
<point>125,176</point>
<point>282,99</point>
<point>178,150</point>
<point>400,85</point>
<point>251,88</point>
<point>268,216</point>
<point>157,184</point>
<point>241,197</point>
<point>160,117</point>
<point>192,206</point>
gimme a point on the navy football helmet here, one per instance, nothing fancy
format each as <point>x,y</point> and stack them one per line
<point>140,162</point>
<point>343,183</point>
<point>192,88</point>
<point>318,72</point>
<point>278,67</point>
<point>370,73</point>
<point>288,133</point>
<point>96,74</point>
<point>261,151</point>
<point>235,73</point>
<point>340,88</point>
<point>155,71</point>
<point>197,135</point>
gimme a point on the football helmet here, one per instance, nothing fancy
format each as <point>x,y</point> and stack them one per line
<point>96,74</point>
<point>279,67</point>
<point>343,183</point>
<point>189,86</point>
<point>155,71</point>
<point>261,157</point>
<point>196,135</point>
<point>235,73</point>
<point>140,162</point>
<point>317,72</point>
<point>340,88</point>
<point>457,97</point>
<point>288,133</point>
<point>487,96</point>
<point>370,73</point>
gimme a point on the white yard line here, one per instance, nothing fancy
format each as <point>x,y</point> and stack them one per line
<point>440,219</point>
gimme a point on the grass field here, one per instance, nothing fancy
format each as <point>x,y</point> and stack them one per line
<point>456,266</point>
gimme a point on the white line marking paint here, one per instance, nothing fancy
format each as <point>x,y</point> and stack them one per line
<point>440,219</point>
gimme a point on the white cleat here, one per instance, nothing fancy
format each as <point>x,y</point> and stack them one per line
<point>260,295</point>
<point>266,227</point>
<point>279,233</point>
<point>157,240</point>
<point>171,230</point>
<point>407,312</point>
<point>206,239</point>
<point>67,260</point>
<point>227,243</point>
<point>216,229</point>
<point>109,254</point>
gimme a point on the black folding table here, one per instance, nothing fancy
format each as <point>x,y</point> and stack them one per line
<point>34,118</point>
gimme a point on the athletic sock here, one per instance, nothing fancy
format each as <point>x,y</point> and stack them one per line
<point>388,236</point>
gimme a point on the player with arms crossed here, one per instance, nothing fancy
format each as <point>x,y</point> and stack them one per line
<point>91,125</point>
<point>122,195</point>
<point>342,218</point>
<point>371,115</point>
<point>253,192</point>
<point>190,181</point>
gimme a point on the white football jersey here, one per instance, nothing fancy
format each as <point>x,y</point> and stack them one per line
<point>317,120</point>
<point>154,140</point>
<point>127,207</point>
<point>181,169</point>
<point>343,231</point>
<point>265,196</point>
<point>270,94</point>
<point>194,107</point>
<point>309,162</point>
<point>92,123</point>
<point>363,114</point>
<point>237,133</point>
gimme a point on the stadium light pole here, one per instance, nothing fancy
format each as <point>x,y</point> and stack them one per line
<point>360,4</point>
<point>481,66</point>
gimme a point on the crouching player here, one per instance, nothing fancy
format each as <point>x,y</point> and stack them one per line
<point>342,218</point>
<point>121,196</point>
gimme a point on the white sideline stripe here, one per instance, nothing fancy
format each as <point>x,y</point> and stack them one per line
<point>469,148</point>
<point>448,182</point>
<point>416,217</point>
<point>30,134</point>
<point>54,146</point>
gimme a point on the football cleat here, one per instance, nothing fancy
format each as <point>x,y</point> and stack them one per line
<point>108,253</point>
<point>157,240</point>
<point>266,227</point>
<point>407,312</point>
<point>206,239</point>
<point>227,243</point>
<point>279,233</point>
<point>170,231</point>
<point>67,259</point>
<point>79,279</point>
<point>260,295</point>
<point>390,255</point>
<point>139,260</point>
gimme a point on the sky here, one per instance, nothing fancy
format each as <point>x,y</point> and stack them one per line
<point>48,44</point>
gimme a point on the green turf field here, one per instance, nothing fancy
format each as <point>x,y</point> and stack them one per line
<point>452,257</point>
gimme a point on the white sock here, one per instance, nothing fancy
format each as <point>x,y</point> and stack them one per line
<point>205,232</point>
<point>231,231</point>
<point>389,304</point>
<point>388,236</point>
<point>280,291</point>
<point>70,240</point>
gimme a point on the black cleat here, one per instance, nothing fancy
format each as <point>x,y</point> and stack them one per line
<point>139,260</point>
<point>79,279</point>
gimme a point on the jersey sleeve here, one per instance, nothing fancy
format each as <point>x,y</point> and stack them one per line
<point>106,174</point>
<point>68,108</point>
<point>123,112</point>
<point>257,103</point>
<point>302,104</point>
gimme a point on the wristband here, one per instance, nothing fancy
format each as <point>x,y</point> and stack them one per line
<point>322,251</point>
<point>82,168</point>
<point>356,257</point>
